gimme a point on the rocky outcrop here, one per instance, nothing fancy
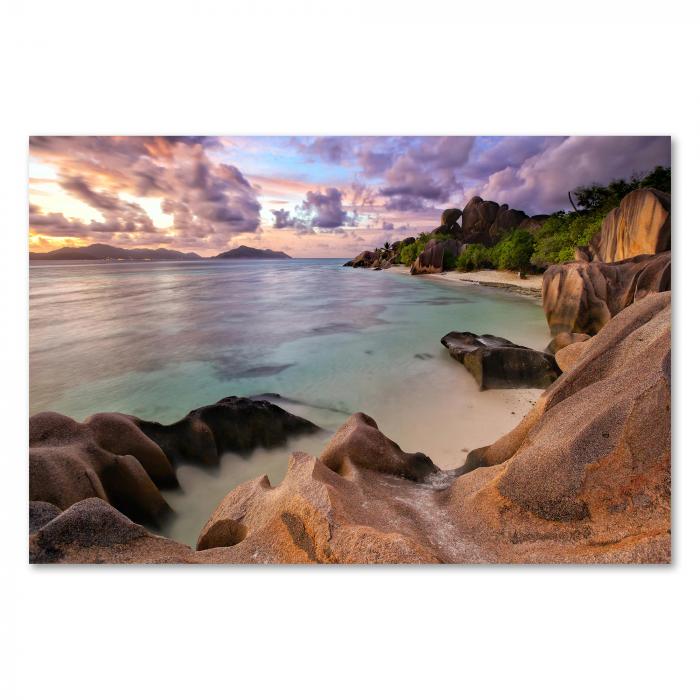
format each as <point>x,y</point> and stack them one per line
<point>365,259</point>
<point>360,444</point>
<point>582,297</point>
<point>483,221</point>
<point>641,225</point>
<point>124,460</point>
<point>561,340</point>
<point>449,223</point>
<point>496,363</point>
<point>432,259</point>
<point>71,461</point>
<point>233,424</point>
<point>584,478</point>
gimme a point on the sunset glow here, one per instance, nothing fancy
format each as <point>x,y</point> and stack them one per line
<point>310,196</point>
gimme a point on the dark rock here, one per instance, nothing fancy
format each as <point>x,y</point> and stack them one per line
<point>496,363</point>
<point>365,259</point>
<point>233,424</point>
<point>450,216</point>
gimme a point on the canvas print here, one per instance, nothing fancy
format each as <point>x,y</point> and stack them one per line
<point>349,349</point>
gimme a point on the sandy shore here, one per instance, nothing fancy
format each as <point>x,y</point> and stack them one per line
<point>502,279</point>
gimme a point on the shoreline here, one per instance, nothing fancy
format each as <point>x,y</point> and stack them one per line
<point>499,279</point>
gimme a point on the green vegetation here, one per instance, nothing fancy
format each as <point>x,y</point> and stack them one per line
<point>512,252</point>
<point>558,237</point>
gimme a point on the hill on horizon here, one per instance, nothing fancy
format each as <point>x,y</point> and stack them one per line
<point>102,251</point>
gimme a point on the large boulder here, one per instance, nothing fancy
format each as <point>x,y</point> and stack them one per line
<point>431,260</point>
<point>233,424</point>
<point>582,297</point>
<point>641,225</point>
<point>484,222</point>
<point>584,478</point>
<point>125,460</point>
<point>365,259</point>
<point>71,461</point>
<point>450,216</point>
<point>592,468</point>
<point>496,363</point>
<point>360,444</point>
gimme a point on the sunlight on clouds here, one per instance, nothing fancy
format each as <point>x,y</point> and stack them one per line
<point>152,207</point>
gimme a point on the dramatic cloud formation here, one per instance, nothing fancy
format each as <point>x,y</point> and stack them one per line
<point>322,210</point>
<point>209,202</point>
<point>208,193</point>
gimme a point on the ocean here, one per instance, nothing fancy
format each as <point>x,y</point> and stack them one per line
<point>157,339</point>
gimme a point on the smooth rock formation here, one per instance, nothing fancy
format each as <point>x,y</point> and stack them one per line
<point>561,340</point>
<point>568,356</point>
<point>483,221</point>
<point>124,460</point>
<point>584,478</point>
<point>582,297</point>
<point>233,424</point>
<point>496,363</point>
<point>432,259</point>
<point>365,259</point>
<point>593,465</point>
<point>641,225</point>
<point>71,461</point>
<point>359,443</point>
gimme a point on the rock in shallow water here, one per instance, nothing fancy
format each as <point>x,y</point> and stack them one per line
<point>496,363</point>
<point>584,478</point>
<point>124,460</point>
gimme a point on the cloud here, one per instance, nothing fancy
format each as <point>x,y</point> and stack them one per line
<point>542,181</point>
<point>323,210</point>
<point>387,226</point>
<point>208,200</point>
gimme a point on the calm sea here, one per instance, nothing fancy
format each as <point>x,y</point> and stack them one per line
<point>158,339</point>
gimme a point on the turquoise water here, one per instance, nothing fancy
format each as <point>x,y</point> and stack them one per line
<point>158,339</point>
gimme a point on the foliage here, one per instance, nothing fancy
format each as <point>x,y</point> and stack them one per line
<point>512,252</point>
<point>557,239</point>
<point>449,261</point>
<point>411,251</point>
<point>474,257</point>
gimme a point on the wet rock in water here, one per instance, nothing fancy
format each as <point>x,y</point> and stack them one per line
<point>584,478</point>
<point>582,297</point>
<point>125,460</point>
<point>233,424</point>
<point>496,363</point>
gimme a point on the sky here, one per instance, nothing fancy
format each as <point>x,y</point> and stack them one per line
<point>326,196</point>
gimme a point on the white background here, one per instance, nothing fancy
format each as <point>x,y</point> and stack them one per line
<point>359,67</point>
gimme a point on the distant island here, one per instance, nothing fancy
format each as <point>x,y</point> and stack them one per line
<point>245,252</point>
<point>101,251</point>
